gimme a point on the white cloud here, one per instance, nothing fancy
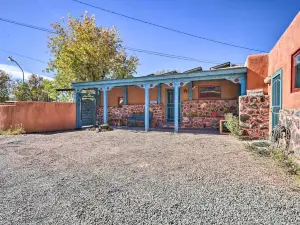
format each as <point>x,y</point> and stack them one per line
<point>16,73</point>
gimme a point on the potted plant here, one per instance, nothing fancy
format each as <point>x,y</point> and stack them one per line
<point>154,123</point>
<point>214,112</point>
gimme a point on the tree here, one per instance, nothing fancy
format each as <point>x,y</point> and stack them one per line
<point>33,90</point>
<point>82,51</point>
<point>5,86</point>
<point>161,72</point>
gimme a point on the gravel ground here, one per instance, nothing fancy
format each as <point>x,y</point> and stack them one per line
<point>132,177</point>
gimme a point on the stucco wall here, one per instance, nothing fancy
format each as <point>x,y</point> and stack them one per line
<point>136,95</point>
<point>281,57</point>
<point>39,116</point>
<point>257,66</point>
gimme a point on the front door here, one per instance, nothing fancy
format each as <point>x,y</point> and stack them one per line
<point>88,109</point>
<point>276,97</point>
<point>170,106</point>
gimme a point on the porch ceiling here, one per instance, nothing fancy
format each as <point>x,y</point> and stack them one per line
<point>228,74</point>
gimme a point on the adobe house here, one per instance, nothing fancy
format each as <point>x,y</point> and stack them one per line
<point>199,99</point>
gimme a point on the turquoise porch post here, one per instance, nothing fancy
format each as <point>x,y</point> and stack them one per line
<point>176,107</point>
<point>125,95</point>
<point>105,106</point>
<point>243,85</point>
<point>77,102</point>
<point>147,98</point>
<point>159,94</point>
<point>191,90</point>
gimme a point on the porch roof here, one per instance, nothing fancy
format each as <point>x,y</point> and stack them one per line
<point>234,74</point>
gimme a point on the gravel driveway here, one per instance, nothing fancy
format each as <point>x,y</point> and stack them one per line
<point>131,177</point>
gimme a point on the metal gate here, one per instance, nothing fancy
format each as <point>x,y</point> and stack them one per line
<point>88,109</point>
<point>276,97</point>
<point>170,106</point>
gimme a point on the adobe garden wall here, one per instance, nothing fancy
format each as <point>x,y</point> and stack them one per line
<point>254,116</point>
<point>291,120</point>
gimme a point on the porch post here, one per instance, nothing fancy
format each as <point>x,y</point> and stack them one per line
<point>191,90</point>
<point>243,86</point>
<point>97,92</point>
<point>77,102</point>
<point>159,94</point>
<point>176,107</point>
<point>105,106</point>
<point>125,95</point>
<point>147,98</point>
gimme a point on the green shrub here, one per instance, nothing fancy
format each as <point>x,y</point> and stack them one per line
<point>18,129</point>
<point>233,125</point>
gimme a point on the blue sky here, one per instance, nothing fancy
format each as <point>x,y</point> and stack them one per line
<point>255,24</point>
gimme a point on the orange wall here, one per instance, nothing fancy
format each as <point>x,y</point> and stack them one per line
<point>136,95</point>
<point>281,57</point>
<point>39,116</point>
<point>257,66</point>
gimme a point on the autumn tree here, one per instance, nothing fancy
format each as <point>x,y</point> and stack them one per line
<point>83,51</point>
<point>5,85</point>
<point>32,90</point>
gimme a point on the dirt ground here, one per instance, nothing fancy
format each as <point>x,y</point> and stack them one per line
<point>133,177</point>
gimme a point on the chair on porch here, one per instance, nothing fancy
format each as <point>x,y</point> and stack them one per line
<point>138,119</point>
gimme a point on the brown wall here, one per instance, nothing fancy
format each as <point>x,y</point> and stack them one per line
<point>136,95</point>
<point>257,66</point>
<point>39,116</point>
<point>280,57</point>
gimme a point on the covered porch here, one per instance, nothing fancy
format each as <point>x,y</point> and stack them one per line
<point>158,84</point>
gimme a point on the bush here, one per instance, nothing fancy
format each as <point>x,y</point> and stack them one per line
<point>233,125</point>
<point>18,129</point>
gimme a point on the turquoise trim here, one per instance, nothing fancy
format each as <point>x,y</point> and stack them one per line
<point>191,90</point>
<point>159,94</point>
<point>186,77</point>
<point>176,107</point>
<point>125,95</point>
<point>78,112</point>
<point>278,73</point>
<point>147,100</point>
<point>243,86</point>
<point>105,107</point>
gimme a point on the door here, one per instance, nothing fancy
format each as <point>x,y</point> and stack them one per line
<point>276,97</point>
<point>170,105</point>
<point>88,109</point>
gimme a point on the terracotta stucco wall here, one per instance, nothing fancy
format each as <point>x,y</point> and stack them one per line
<point>257,66</point>
<point>280,57</point>
<point>39,116</point>
<point>136,95</point>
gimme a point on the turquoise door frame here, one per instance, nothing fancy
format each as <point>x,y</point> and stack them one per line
<point>276,83</point>
<point>171,106</point>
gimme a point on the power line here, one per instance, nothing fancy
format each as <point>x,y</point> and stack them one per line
<point>168,28</point>
<point>24,56</point>
<point>129,48</point>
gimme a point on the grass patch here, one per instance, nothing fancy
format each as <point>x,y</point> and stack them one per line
<point>284,160</point>
<point>18,129</point>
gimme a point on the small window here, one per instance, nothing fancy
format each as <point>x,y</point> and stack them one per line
<point>210,92</point>
<point>120,101</point>
<point>296,72</point>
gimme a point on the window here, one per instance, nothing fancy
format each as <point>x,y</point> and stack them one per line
<point>210,92</point>
<point>296,71</point>
<point>120,101</point>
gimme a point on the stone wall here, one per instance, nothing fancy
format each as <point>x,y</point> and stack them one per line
<point>291,120</point>
<point>126,111</point>
<point>198,113</point>
<point>254,116</point>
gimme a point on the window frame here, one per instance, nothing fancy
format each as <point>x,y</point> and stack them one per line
<point>202,86</point>
<point>293,88</point>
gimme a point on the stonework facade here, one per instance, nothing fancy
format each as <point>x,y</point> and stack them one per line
<point>254,116</point>
<point>291,120</point>
<point>127,110</point>
<point>198,113</point>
